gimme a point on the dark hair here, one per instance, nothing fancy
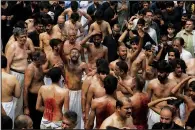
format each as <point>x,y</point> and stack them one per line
<point>158,12</point>
<point>54,42</point>
<point>20,24</point>
<point>180,62</point>
<point>192,85</point>
<point>120,102</point>
<point>169,4</point>
<point>174,102</point>
<point>20,123</point>
<point>113,3</point>
<point>74,5</point>
<point>148,10</point>
<point>141,21</point>
<point>6,122</point>
<point>170,25</point>
<point>38,21</point>
<point>168,108</point>
<point>112,128</point>
<point>74,16</point>
<point>74,49</point>
<point>148,47</point>
<point>110,84</point>
<point>140,82</point>
<point>44,5</point>
<point>181,40</point>
<point>47,20</point>
<point>176,52</point>
<point>99,35</point>
<point>134,40</point>
<point>99,15</point>
<point>103,69</point>
<point>122,66</point>
<point>141,11</point>
<point>3,62</point>
<point>71,115</point>
<point>101,61</point>
<point>163,66</point>
<point>55,74</point>
<point>36,55</point>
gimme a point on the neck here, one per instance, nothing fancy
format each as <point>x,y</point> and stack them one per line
<point>21,45</point>
<point>189,31</point>
<point>56,84</point>
<point>119,118</point>
<point>100,81</point>
<point>171,35</point>
<point>165,81</point>
<point>37,65</point>
<point>123,76</point>
<point>55,53</point>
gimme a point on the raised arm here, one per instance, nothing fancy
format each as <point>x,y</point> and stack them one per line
<point>153,103</point>
<point>65,12</point>
<point>41,41</point>
<point>28,76</point>
<point>88,17</point>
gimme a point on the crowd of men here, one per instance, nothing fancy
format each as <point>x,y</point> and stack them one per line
<point>98,65</point>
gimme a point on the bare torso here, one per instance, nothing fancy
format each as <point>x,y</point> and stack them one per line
<point>44,40</point>
<point>161,90</point>
<point>53,97</point>
<point>37,80</point>
<point>58,33</point>
<point>8,87</point>
<point>105,106</point>
<point>103,27</point>
<point>96,53</point>
<point>19,61</point>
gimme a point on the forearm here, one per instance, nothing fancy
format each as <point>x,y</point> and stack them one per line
<point>122,37</point>
<point>25,97</point>
<point>178,86</point>
<point>159,54</point>
<point>153,103</point>
<point>127,88</point>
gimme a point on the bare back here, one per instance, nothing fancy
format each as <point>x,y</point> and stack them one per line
<point>190,67</point>
<point>53,98</point>
<point>44,42</point>
<point>9,85</point>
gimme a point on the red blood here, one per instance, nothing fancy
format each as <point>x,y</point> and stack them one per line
<point>50,108</point>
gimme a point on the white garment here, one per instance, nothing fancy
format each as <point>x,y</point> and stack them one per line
<point>45,124</point>
<point>9,108</point>
<point>182,111</point>
<point>152,34</point>
<point>75,105</point>
<point>47,81</point>
<point>185,55</point>
<point>19,101</point>
<point>153,118</point>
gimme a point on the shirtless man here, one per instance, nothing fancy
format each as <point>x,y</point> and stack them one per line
<point>103,107</point>
<point>129,58</point>
<point>74,71</point>
<point>159,88</point>
<point>188,100</point>
<point>28,45</point>
<point>74,9</point>
<point>127,82</point>
<point>58,29</point>
<point>95,50</point>
<point>54,60</point>
<point>140,102</point>
<point>121,118</point>
<point>96,89</point>
<point>33,80</point>
<point>50,101</point>
<point>190,67</point>
<point>45,37</point>
<point>17,63</point>
<point>100,25</point>
<point>10,89</point>
<point>74,24</point>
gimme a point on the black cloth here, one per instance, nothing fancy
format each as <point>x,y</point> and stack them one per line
<point>111,44</point>
<point>35,115</point>
<point>104,6</point>
<point>30,12</point>
<point>6,31</point>
<point>159,126</point>
<point>191,121</point>
<point>34,36</point>
<point>92,9</point>
<point>164,52</point>
<point>108,15</point>
<point>57,11</point>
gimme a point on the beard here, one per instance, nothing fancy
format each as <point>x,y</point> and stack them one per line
<point>97,44</point>
<point>161,78</point>
<point>167,126</point>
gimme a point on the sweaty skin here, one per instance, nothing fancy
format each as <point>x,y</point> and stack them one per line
<point>44,39</point>
<point>53,98</point>
<point>190,67</point>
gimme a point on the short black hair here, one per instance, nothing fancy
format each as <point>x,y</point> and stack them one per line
<point>110,84</point>
<point>6,121</point>
<point>170,25</point>
<point>174,102</point>
<point>120,102</point>
<point>103,69</point>
<point>74,5</point>
<point>163,66</point>
<point>141,21</point>
<point>169,4</point>
<point>112,3</point>
<point>148,47</point>
<point>54,42</point>
<point>20,123</point>
<point>192,85</point>
<point>3,62</point>
<point>74,16</point>
<point>20,24</point>
<point>122,66</point>
<point>71,115</point>
<point>176,52</point>
<point>55,74</point>
<point>148,10</point>
<point>99,15</point>
<point>101,61</point>
<point>180,62</point>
